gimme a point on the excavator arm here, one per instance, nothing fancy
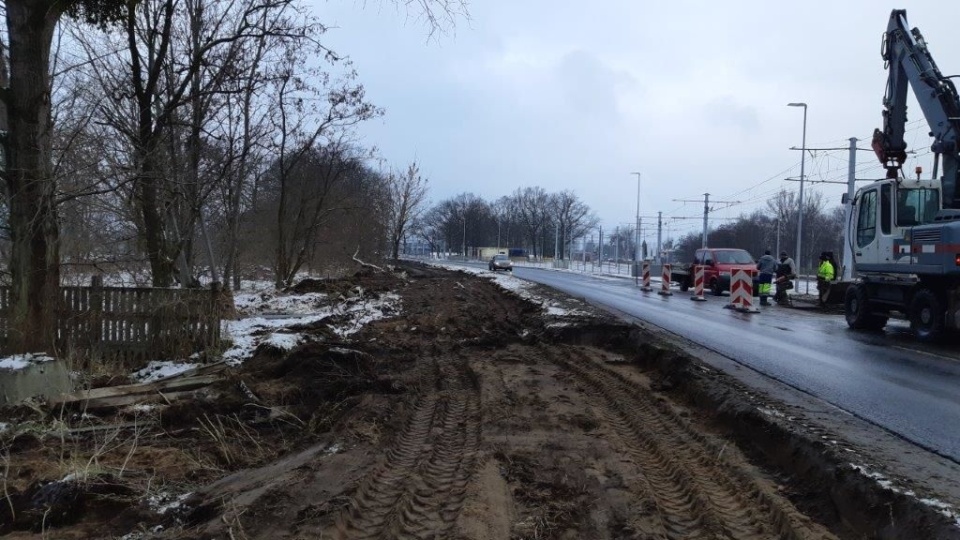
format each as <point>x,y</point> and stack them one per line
<point>910,64</point>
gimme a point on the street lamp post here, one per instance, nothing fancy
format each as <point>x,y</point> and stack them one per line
<point>464,247</point>
<point>636,234</point>
<point>803,155</point>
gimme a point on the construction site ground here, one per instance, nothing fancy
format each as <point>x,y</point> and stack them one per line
<point>474,411</point>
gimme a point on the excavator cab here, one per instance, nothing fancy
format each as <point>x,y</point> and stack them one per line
<point>885,214</point>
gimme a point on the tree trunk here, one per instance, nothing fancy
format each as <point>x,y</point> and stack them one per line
<point>161,264</point>
<point>31,187</point>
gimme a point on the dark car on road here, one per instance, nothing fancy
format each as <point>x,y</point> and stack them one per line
<point>500,262</point>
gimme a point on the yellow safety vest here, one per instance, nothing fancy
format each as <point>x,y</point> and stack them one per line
<point>826,271</point>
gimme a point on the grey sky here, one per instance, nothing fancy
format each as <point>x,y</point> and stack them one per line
<point>576,95</point>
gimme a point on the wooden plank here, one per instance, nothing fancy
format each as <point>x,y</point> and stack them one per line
<point>110,402</point>
<point>122,316</point>
<point>106,427</point>
<point>207,369</point>
<point>113,317</point>
<point>140,334</point>
<point>167,385</point>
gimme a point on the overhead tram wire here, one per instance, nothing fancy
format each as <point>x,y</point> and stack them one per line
<point>830,153</point>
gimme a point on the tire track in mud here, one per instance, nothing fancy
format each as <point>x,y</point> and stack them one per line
<point>418,488</point>
<point>695,490</point>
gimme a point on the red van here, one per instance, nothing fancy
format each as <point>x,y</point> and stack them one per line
<point>718,263</point>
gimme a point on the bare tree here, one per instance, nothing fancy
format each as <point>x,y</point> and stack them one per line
<point>408,191</point>
<point>532,204</point>
<point>574,218</point>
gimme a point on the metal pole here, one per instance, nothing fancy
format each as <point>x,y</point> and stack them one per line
<point>849,263</point>
<point>706,212</point>
<point>464,237</point>
<point>498,236</point>
<point>616,248</point>
<point>659,235</point>
<point>636,234</point>
<point>600,249</point>
<point>803,158</point>
<point>556,240</point>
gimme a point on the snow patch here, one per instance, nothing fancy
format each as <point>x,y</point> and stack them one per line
<point>21,361</point>
<point>284,342</point>
<point>771,412</point>
<point>144,407</point>
<point>157,370</point>
<point>270,301</point>
<point>346,317</point>
<point>4,426</point>
<point>363,313</point>
<point>165,502</point>
<point>946,509</point>
<point>247,334</point>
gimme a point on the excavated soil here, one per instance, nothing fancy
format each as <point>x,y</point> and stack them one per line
<point>473,415</point>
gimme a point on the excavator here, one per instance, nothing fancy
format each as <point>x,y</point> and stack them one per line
<point>905,232</point>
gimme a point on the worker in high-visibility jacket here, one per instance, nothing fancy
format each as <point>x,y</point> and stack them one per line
<point>824,276</point>
<point>766,266</point>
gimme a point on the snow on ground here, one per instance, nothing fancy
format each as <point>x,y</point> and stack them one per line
<point>21,361</point>
<point>946,509</point>
<point>157,370</point>
<point>269,301</point>
<point>4,426</point>
<point>346,318</point>
<point>247,334</point>
<point>271,314</point>
<point>164,502</point>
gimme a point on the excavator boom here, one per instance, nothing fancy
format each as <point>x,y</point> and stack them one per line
<point>910,65</point>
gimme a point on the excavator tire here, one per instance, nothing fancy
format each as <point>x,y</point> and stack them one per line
<point>926,316</point>
<point>856,309</point>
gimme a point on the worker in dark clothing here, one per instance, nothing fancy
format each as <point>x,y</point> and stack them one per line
<point>766,266</point>
<point>785,273</point>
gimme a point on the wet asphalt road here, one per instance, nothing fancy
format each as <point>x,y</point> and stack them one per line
<point>886,378</point>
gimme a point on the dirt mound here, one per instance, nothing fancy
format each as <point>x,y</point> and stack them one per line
<point>315,377</point>
<point>363,280</point>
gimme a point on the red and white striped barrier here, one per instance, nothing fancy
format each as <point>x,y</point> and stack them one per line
<point>698,284</point>
<point>741,292</point>
<point>665,282</point>
<point>646,277</point>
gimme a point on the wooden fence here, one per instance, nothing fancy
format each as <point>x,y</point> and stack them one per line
<point>132,323</point>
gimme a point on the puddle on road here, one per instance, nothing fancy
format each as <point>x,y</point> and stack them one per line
<point>45,379</point>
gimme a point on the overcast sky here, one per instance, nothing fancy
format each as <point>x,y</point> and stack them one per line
<point>577,95</point>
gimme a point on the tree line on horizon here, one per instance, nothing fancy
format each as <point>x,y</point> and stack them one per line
<point>537,222</point>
